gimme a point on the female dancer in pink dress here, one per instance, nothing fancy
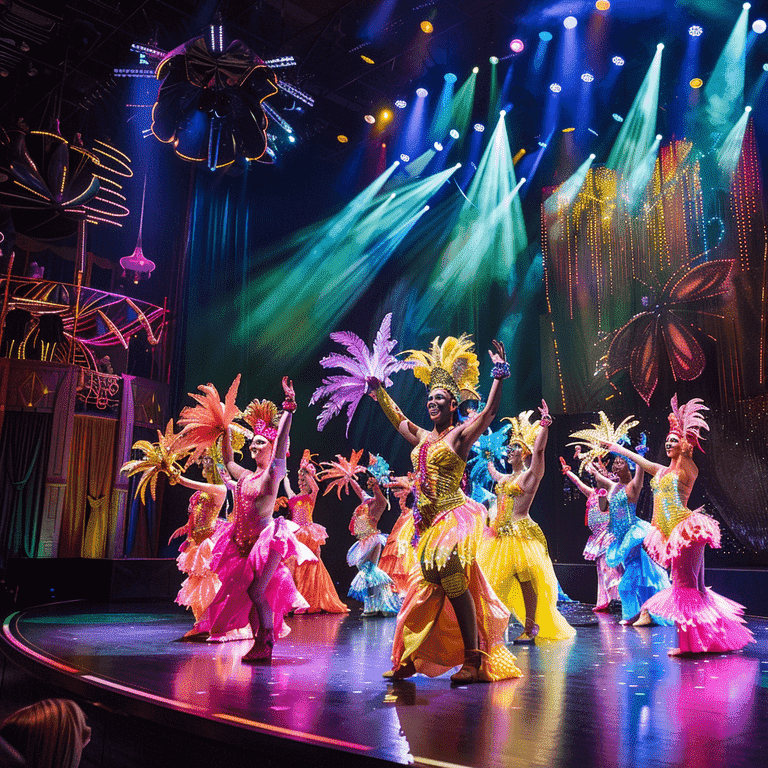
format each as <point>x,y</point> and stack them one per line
<point>706,622</point>
<point>450,615</point>
<point>256,585</point>
<point>311,577</point>
<point>397,557</point>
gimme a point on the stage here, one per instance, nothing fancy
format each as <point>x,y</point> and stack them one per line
<point>610,697</point>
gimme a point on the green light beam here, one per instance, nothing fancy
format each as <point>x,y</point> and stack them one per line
<point>461,112</point>
<point>730,151</point>
<point>567,192</point>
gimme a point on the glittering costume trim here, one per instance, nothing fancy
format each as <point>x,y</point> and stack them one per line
<point>697,527</point>
<point>389,406</point>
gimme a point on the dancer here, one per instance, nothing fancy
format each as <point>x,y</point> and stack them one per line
<point>706,621</point>
<point>398,556</point>
<point>256,585</point>
<point>311,577</point>
<point>514,552</point>
<point>599,539</point>
<point>450,615</point>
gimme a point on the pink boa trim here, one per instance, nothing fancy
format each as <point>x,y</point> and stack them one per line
<point>697,527</point>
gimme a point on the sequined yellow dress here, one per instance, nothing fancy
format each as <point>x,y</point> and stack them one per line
<point>706,622</point>
<point>446,530</point>
<point>515,550</point>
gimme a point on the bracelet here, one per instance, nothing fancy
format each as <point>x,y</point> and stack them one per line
<point>602,492</point>
<point>289,405</point>
<point>500,370</point>
<point>546,420</point>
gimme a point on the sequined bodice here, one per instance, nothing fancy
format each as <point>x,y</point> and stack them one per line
<point>596,518</point>
<point>203,510</point>
<point>301,509</point>
<point>247,524</point>
<point>507,491</point>
<point>668,510</point>
<point>622,514</point>
<point>361,525</point>
<point>438,471</point>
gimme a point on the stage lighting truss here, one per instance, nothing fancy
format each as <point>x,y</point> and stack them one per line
<point>281,63</point>
<point>279,120</point>
<point>297,93</point>
<point>137,73</point>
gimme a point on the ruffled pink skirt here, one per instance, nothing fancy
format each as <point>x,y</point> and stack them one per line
<point>697,527</point>
<point>231,606</point>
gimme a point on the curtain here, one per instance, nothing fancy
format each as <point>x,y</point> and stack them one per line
<point>24,444</point>
<point>85,523</point>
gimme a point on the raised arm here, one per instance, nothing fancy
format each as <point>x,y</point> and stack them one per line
<point>575,479</point>
<point>284,427</point>
<point>596,469</point>
<point>379,503</point>
<point>648,466</point>
<point>392,411</point>
<point>228,456</point>
<point>358,490</point>
<point>540,443</point>
<point>472,429</point>
<point>635,484</point>
<point>494,473</point>
<point>289,492</point>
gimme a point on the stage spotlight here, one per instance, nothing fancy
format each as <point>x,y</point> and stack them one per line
<point>587,77</point>
<point>658,137</point>
<point>494,60</point>
<point>747,109</point>
<point>426,27</point>
<point>405,158</point>
<point>765,67</point>
<point>697,82</point>
<point>758,26</point>
<point>475,70</point>
<point>660,47</point>
<point>292,139</point>
<point>695,31</point>
<point>449,77</point>
<point>370,119</point>
<point>342,139</point>
<point>453,133</point>
<point>746,6</point>
<point>367,59</point>
<point>517,45</point>
<point>544,35</point>
<point>479,127</point>
<point>502,113</point>
<point>422,93</point>
<point>401,104</point>
<point>617,118</point>
<point>438,146</point>
<point>568,130</point>
<point>602,5</point>
<point>569,22</point>
<point>385,116</point>
<point>555,87</point>
<point>592,156</point>
<point>618,61</point>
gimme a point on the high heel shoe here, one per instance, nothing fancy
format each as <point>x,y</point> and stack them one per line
<point>402,672</point>
<point>470,669</point>
<point>529,633</point>
<point>261,652</point>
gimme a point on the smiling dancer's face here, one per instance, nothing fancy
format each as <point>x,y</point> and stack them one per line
<point>440,405</point>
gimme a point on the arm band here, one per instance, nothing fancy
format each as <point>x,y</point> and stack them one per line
<point>390,408</point>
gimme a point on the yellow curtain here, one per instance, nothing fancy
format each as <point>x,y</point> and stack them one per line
<point>85,522</point>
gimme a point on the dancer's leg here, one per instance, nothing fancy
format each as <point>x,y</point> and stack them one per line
<point>260,616</point>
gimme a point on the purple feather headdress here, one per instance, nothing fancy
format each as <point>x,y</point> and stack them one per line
<point>347,389</point>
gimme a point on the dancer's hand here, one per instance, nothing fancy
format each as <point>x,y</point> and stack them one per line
<point>373,384</point>
<point>499,356</point>
<point>564,466</point>
<point>372,483</point>
<point>289,404</point>
<point>546,419</point>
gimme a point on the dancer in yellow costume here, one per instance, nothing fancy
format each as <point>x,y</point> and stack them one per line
<point>514,554</point>
<point>450,615</point>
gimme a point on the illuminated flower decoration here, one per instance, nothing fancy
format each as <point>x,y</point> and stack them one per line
<point>210,103</point>
<point>203,424</point>
<point>160,458</point>
<point>595,437</point>
<point>52,185</point>
<point>487,447</point>
<point>638,344</point>
<point>378,467</point>
<point>341,472</point>
<point>346,390</point>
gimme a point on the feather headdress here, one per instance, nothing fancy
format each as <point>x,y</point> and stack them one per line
<point>523,431</point>
<point>452,366</point>
<point>262,417</point>
<point>595,437</point>
<point>378,467</point>
<point>204,423</point>
<point>686,420</point>
<point>341,472</point>
<point>347,389</point>
<point>160,458</point>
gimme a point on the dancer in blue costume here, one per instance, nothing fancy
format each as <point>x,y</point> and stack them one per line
<point>642,577</point>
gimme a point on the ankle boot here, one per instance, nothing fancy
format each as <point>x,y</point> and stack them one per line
<point>261,652</point>
<point>470,669</point>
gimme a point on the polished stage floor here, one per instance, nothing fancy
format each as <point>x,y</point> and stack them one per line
<point>610,697</point>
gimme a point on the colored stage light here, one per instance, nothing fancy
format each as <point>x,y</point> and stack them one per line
<point>697,82</point>
<point>592,156</point>
<point>555,87</point>
<point>385,116</point>
<point>453,133</point>
<point>502,113</point>
<point>479,127</point>
<point>426,27</point>
<point>405,158</point>
<point>517,45</point>
<point>475,70</point>
<point>765,67</point>
<point>587,77</point>
<point>438,146</point>
<point>602,5</point>
<point>746,6</point>
<point>569,22</point>
<point>568,130</point>
<point>658,137</point>
<point>342,139</point>
<point>758,26</point>
<point>747,109</point>
<point>449,77</point>
<point>660,47</point>
<point>494,60</point>
<point>618,61</point>
<point>617,118</point>
<point>367,59</point>
<point>370,119</point>
<point>422,93</point>
<point>695,31</point>
<point>401,104</point>
<point>292,139</point>
<point>545,36</point>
